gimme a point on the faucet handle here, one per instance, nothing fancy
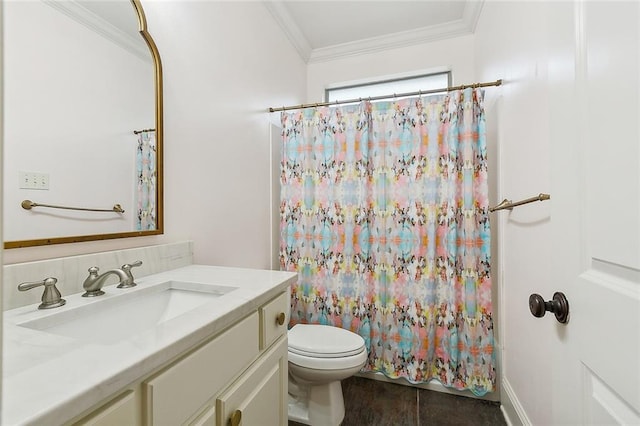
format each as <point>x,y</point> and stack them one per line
<point>128,266</point>
<point>127,270</point>
<point>51,297</point>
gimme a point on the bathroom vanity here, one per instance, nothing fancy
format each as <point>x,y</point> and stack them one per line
<point>199,345</point>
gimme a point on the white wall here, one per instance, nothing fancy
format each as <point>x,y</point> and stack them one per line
<point>1,178</point>
<point>510,43</point>
<point>73,100</point>
<point>224,64</point>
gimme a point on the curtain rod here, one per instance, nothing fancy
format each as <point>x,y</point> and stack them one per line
<point>395,95</point>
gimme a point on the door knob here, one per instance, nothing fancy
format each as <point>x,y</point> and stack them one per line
<point>559,305</point>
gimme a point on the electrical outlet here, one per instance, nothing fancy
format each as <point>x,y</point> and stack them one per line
<point>33,180</point>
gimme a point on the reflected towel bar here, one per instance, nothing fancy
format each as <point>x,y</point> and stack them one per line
<point>28,205</point>
<point>509,205</point>
<point>137,132</point>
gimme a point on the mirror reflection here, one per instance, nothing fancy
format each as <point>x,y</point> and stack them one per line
<point>80,122</point>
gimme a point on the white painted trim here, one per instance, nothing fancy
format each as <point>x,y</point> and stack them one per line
<point>471,14</point>
<point>513,411</point>
<point>82,15</point>
<point>290,28</point>
<point>464,26</point>
<point>394,76</point>
<point>505,415</point>
<point>275,150</point>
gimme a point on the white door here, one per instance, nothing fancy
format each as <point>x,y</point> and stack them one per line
<point>595,156</point>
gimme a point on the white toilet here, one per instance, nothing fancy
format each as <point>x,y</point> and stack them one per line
<point>319,357</point>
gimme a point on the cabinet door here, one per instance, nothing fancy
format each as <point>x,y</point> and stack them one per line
<point>258,397</point>
<point>176,394</point>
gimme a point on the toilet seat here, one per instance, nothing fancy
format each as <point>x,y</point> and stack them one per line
<point>324,347</point>
<point>323,341</point>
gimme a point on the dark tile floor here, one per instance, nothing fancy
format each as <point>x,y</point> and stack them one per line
<point>375,403</point>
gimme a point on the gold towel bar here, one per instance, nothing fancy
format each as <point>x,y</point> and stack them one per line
<point>509,205</point>
<point>28,205</point>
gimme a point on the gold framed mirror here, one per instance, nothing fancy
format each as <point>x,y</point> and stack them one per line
<point>65,151</point>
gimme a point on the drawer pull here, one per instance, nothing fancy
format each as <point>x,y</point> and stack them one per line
<point>280,318</point>
<point>236,418</point>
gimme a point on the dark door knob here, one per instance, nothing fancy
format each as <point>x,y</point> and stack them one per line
<point>558,305</point>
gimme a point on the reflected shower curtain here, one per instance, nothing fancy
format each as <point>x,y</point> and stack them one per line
<point>384,215</point>
<point>146,181</point>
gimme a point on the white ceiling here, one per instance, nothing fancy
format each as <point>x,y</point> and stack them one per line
<point>325,29</point>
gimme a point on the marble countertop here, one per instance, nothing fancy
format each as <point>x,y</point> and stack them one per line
<point>50,379</point>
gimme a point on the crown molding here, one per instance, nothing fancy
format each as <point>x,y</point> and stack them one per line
<point>80,14</point>
<point>471,14</point>
<point>391,41</point>
<point>290,28</point>
<point>464,26</point>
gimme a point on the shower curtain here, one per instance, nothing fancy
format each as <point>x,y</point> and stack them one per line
<point>146,181</point>
<point>384,215</point>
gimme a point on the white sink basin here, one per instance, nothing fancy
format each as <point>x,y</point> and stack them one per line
<point>126,314</point>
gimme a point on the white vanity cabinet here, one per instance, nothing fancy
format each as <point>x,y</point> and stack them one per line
<point>239,377</point>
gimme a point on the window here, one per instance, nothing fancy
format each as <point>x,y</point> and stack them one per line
<point>389,87</point>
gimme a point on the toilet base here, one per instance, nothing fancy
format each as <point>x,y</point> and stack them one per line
<point>321,405</point>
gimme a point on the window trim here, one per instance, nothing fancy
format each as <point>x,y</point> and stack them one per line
<point>388,80</point>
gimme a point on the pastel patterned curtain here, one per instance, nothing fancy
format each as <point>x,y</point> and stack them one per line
<point>384,215</point>
<point>146,181</point>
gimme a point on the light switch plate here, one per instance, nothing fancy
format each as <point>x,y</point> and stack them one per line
<point>33,180</point>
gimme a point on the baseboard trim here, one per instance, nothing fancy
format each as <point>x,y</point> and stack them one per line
<point>511,407</point>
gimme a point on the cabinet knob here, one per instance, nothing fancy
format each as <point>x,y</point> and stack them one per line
<point>280,318</point>
<point>236,418</point>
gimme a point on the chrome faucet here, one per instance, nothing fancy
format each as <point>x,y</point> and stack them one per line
<point>94,282</point>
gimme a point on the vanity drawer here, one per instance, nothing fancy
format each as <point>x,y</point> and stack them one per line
<point>123,410</point>
<point>177,393</point>
<point>274,317</point>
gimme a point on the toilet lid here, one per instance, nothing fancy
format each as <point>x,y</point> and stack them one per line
<point>323,341</point>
